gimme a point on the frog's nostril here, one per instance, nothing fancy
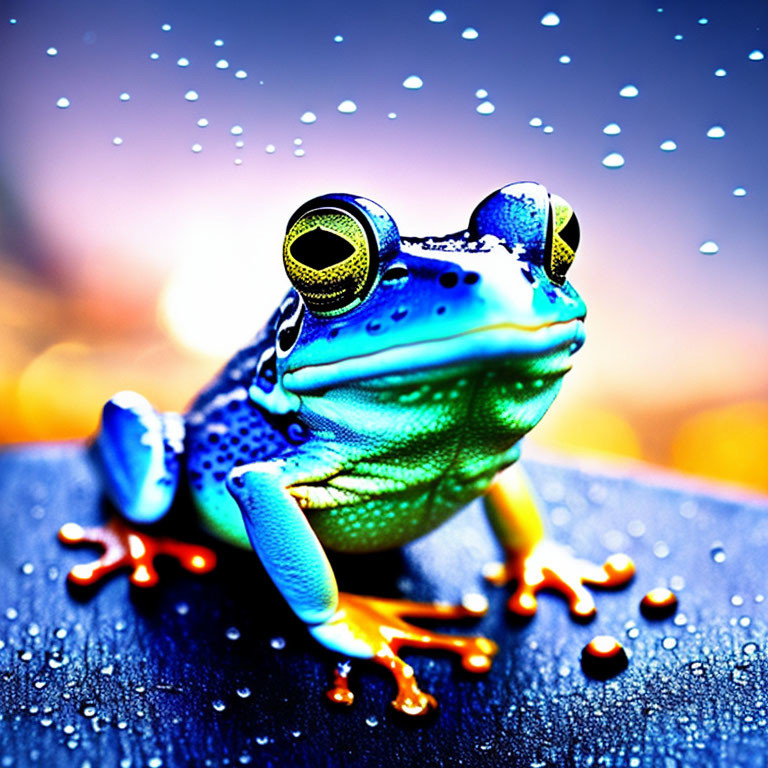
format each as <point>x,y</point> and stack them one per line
<point>449,279</point>
<point>470,278</point>
<point>399,313</point>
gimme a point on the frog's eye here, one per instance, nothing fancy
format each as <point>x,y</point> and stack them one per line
<point>333,249</point>
<point>533,225</point>
<point>563,235</point>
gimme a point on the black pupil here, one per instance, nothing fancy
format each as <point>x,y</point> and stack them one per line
<point>570,234</point>
<point>320,248</point>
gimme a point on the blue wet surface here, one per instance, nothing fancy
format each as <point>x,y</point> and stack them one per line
<point>213,671</point>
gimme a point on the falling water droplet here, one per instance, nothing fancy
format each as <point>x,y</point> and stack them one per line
<point>270,149</point>
<point>613,160</point>
<point>392,115</point>
<point>437,16</point>
<point>716,132</point>
<point>536,122</point>
<point>218,42</point>
<point>222,64</point>
<point>413,82</point>
<point>241,74</point>
<point>612,129</point>
<point>183,61</point>
<point>470,33</point>
<point>481,93</point>
<point>191,96</point>
<point>233,633</point>
<point>52,51</point>
<point>720,72</point>
<point>565,59</point>
<point>703,20</point>
<point>739,192</point>
<point>244,692</point>
<point>756,55</point>
<point>197,148</point>
<point>278,643</point>
<point>236,130</point>
<point>550,19</point>
<point>154,56</point>
<point>299,152</point>
<point>668,146</point>
<point>709,247</point>
<point>308,118</point>
<point>347,107</point>
<point>548,129</point>
<point>218,705</point>
<point>124,96</point>
<point>338,38</point>
<point>203,122</point>
<point>62,103</point>
<point>629,91</point>
<point>485,108</point>
<point>166,27</point>
<point>117,141</point>
<point>372,721</point>
<point>668,643</point>
<point>678,37</point>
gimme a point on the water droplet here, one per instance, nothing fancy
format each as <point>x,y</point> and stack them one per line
<point>12,21</point>
<point>716,132</point>
<point>481,93</point>
<point>11,614</point>
<point>240,144</point>
<point>678,37</point>
<point>270,149</point>
<point>739,192</point>
<point>668,643</point>
<point>197,148</point>
<point>485,108</point>
<point>709,247</point>
<point>470,33</point>
<point>659,603</point>
<point>661,549</point>
<point>298,141</point>
<point>737,600</point>
<point>372,721</point>
<point>278,643</point>
<point>565,59</point>
<point>437,16</point>
<point>244,692</point>
<point>88,710</point>
<point>536,122</point>
<point>155,762</point>
<point>299,152</point>
<point>413,83</point>
<point>668,146</point>
<point>183,61</point>
<point>203,123</point>
<point>154,56</point>
<point>166,27</point>
<point>117,141</point>
<point>233,633</point>
<point>347,107</point>
<point>124,96</point>
<point>548,129</point>
<point>703,20</point>
<point>218,705</point>
<point>62,103</point>
<point>720,72</point>
<point>108,670</point>
<point>308,118</point>
<point>338,38</point>
<point>262,740</point>
<point>182,608</point>
<point>717,553</point>
<point>392,115</point>
<point>603,657</point>
<point>236,130</point>
<point>550,19</point>
<point>244,759</point>
<point>629,92</point>
<point>756,55</point>
<point>27,569</point>
<point>238,161</point>
<point>191,96</point>
<point>749,648</point>
<point>52,51</point>
<point>222,64</point>
<point>612,129</point>
<point>613,160</point>
<point>241,74</point>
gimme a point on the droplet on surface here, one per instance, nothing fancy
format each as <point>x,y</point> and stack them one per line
<point>203,122</point>
<point>191,95</point>
<point>720,72</point>
<point>485,108</point>
<point>241,74</point>
<point>222,64</point>
<point>612,129</point>
<point>62,103</point>
<point>668,146</point>
<point>565,59</point>
<point>413,82</point>
<point>347,107</point>
<point>709,247</point>
<point>481,93</point>
<point>166,27</point>
<point>548,129</point>
<point>197,148</point>
<point>603,657</point>
<point>716,132</point>
<point>308,118</point>
<point>739,192</point>
<point>669,643</point>
<point>299,152</point>
<point>613,160</point>
<point>756,55</point>
<point>659,603</point>
<point>236,130</point>
<point>52,51</point>
<point>470,33</point>
<point>629,91</point>
<point>550,19</point>
<point>182,62</point>
<point>392,115</point>
<point>117,141</point>
<point>218,42</point>
<point>437,16</point>
<point>536,122</point>
<point>154,56</point>
<point>124,96</point>
<point>270,149</point>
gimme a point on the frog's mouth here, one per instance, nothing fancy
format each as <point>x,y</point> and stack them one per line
<point>502,342</point>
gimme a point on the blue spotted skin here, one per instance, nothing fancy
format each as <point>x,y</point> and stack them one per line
<point>404,408</point>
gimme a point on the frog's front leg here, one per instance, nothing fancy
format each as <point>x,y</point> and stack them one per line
<point>356,626</point>
<point>534,562</point>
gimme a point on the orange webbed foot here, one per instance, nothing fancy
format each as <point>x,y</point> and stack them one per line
<point>378,624</point>
<point>552,566</point>
<point>125,547</point>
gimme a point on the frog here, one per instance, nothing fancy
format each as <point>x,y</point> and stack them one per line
<point>391,387</point>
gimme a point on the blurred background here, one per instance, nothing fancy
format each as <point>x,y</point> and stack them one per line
<point>152,152</point>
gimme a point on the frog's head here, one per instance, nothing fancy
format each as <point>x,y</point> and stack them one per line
<point>371,308</point>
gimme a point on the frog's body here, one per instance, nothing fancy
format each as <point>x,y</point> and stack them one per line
<point>389,389</point>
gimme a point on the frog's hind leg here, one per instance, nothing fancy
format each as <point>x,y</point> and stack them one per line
<point>138,452</point>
